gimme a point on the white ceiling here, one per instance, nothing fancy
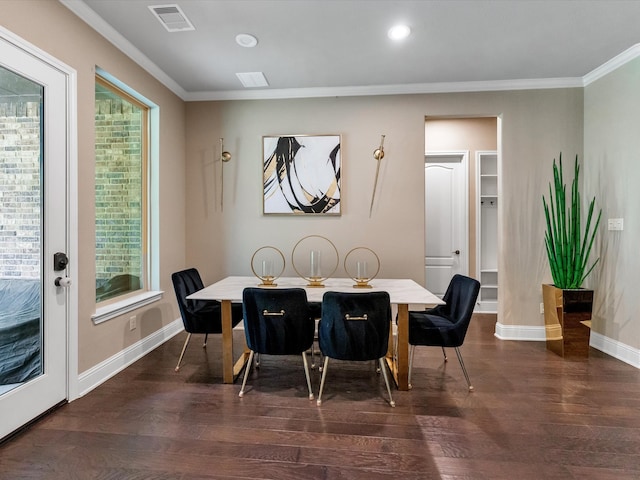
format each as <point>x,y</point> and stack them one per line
<point>340,47</point>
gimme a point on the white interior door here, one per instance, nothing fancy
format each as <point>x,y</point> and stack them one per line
<point>34,208</point>
<point>446,218</point>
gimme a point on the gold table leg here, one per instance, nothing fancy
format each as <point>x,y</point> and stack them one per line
<point>241,362</point>
<point>230,370</point>
<point>399,362</point>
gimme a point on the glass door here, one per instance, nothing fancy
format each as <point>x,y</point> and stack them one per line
<point>33,226</point>
<point>21,101</point>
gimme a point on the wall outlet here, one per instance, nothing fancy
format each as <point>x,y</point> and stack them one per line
<point>615,224</point>
<point>133,322</point>
<point>541,307</point>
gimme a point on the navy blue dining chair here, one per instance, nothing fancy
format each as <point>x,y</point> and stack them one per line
<point>355,327</point>
<point>199,316</point>
<point>277,321</point>
<point>445,325</point>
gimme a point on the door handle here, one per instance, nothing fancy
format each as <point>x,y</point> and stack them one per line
<point>457,252</point>
<point>62,282</point>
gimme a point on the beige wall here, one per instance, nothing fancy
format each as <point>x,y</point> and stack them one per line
<point>612,171</point>
<point>53,28</point>
<point>536,125</point>
<point>458,134</point>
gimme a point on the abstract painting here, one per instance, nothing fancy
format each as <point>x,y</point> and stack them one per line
<point>301,174</point>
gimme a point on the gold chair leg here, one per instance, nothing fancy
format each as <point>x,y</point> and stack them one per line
<point>464,370</point>
<point>382,362</point>
<point>246,373</point>
<point>306,372</point>
<point>324,375</point>
<point>444,354</point>
<point>184,348</point>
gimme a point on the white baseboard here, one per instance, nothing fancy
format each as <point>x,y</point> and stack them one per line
<point>90,379</point>
<point>616,349</point>
<point>520,332</point>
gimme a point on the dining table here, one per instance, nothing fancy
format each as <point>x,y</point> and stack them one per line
<point>403,294</point>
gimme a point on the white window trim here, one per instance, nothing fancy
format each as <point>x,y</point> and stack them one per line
<point>115,309</point>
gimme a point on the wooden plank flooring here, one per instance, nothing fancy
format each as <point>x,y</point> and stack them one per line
<point>533,415</point>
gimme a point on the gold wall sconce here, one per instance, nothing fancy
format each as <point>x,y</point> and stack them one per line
<point>224,158</point>
<point>378,155</point>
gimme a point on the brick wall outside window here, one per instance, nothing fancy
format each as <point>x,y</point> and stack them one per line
<point>118,164</point>
<point>20,189</point>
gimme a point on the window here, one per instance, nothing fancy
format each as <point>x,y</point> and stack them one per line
<point>121,194</point>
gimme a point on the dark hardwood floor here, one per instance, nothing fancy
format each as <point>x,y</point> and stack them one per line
<point>533,415</point>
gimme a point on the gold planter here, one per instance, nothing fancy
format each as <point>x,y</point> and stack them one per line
<point>567,319</point>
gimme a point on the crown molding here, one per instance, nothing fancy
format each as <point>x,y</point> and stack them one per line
<point>613,64</point>
<point>91,18</point>
<point>405,89</point>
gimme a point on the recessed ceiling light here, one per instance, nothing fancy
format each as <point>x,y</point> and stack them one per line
<point>399,32</point>
<point>246,40</point>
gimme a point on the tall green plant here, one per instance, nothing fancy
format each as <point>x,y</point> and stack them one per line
<point>568,248</point>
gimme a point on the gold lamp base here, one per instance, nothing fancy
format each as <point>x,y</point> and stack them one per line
<point>362,283</point>
<point>267,282</point>
<point>315,282</point>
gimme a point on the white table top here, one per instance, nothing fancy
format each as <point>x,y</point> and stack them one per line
<point>401,291</point>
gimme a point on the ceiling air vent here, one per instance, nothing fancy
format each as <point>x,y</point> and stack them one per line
<point>172,18</point>
<point>252,79</point>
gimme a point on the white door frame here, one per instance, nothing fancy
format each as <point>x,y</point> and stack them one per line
<point>71,200</point>
<point>431,156</point>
